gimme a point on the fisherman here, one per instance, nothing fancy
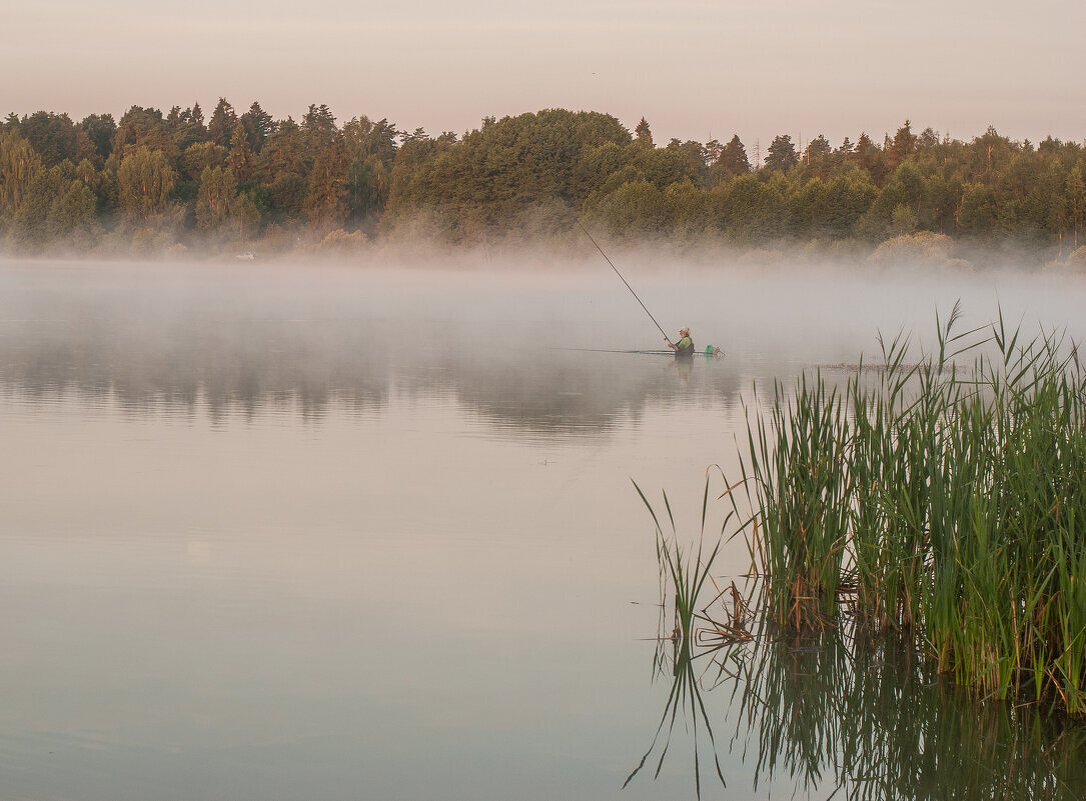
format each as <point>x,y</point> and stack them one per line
<point>685,346</point>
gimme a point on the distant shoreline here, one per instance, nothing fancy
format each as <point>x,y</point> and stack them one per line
<point>168,185</point>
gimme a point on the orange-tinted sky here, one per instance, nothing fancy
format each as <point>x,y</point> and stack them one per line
<point>695,69</point>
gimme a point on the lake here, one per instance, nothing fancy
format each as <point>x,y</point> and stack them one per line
<point>330,532</point>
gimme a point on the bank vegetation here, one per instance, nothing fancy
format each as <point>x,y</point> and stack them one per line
<point>179,182</point>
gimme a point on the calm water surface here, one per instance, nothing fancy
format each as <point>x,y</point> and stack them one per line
<point>332,533</point>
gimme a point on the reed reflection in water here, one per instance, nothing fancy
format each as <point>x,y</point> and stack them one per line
<point>834,715</point>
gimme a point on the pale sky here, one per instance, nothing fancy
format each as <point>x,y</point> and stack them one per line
<point>695,69</point>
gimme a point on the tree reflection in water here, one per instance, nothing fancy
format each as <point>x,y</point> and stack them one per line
<point>844,716</point>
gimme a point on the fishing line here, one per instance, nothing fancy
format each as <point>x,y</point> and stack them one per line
<point>627,283</point>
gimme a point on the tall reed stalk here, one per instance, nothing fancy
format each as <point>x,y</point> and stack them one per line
<point>947,502</point>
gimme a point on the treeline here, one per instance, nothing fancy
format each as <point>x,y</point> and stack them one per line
<point>175,181</point>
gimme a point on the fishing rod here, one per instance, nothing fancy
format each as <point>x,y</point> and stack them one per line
<point>627,283</point>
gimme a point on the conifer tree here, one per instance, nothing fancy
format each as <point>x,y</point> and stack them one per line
<point>258,124</point>
<point>221,125</point>
<point>733,159</point>
<point>781,154</point>
<point>319,128</point>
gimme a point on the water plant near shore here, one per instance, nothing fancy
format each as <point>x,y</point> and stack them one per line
<point>695,633</point>
<point>944,502</point>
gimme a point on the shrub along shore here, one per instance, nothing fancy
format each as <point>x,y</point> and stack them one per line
<point>155,183</point>
<point>944,503</point>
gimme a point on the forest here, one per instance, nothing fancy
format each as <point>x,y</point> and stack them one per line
<point>181,183</point>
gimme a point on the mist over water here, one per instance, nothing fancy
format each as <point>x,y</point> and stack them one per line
<point>334,532</point>
<point>247,336</point>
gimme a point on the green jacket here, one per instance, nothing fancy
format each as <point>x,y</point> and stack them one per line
<point>685,347</point>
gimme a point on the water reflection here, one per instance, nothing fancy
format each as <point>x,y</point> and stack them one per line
<point>836,716</point>
<point>225,349</point>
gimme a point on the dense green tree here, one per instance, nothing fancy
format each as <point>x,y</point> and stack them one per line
<point>831,209</point>
<point>979,210</point>
<point>199,156</point>
<point>222,123</point>
<point>498,174</point>
<point>187,127</point>
<point>326,206</point>
<point>664,166</point>
<point>592,168</point>
<point>29,224</point>
<point>900,200</point>
<point>868,155</point>
<point>258,125</point>
<point>927,139</point>
<point>240,157</point>
<point>818,151</point>
<point>370,148</point>
<point>1076,204</point>
<point>750,210</point>
<point>144,182</point>
<point>101,130</point>
<point>643,134</point>
<point>55,137</point>
<point>283,154</point>
<point>781,155</point>
<point>902,146</point>
<point>286,196</point>
<point>216,197</point>
<point>142,128</point>
<point>19,164</point>
<point>689,210</point>
<point>634,209</point>
<point>697,166</point>
<point>72,215</point>
<point>733,161</point>
<point>988,155</point>
<point>319,129</point>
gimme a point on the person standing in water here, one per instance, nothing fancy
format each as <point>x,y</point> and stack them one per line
<point>685,345</point>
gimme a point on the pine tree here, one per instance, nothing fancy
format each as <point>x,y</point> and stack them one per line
<point>258,124</point>
<point>319,127</point>
<point>781,154</point>
<point>221,126</point>
<point>733,159</point>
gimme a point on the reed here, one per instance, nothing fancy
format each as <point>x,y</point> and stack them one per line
<point>944,502</point>
<point>796,460</point>
<point>696,632</point>
<point>686,572</point>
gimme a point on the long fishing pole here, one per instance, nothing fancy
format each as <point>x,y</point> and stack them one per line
<point>627,283</point>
